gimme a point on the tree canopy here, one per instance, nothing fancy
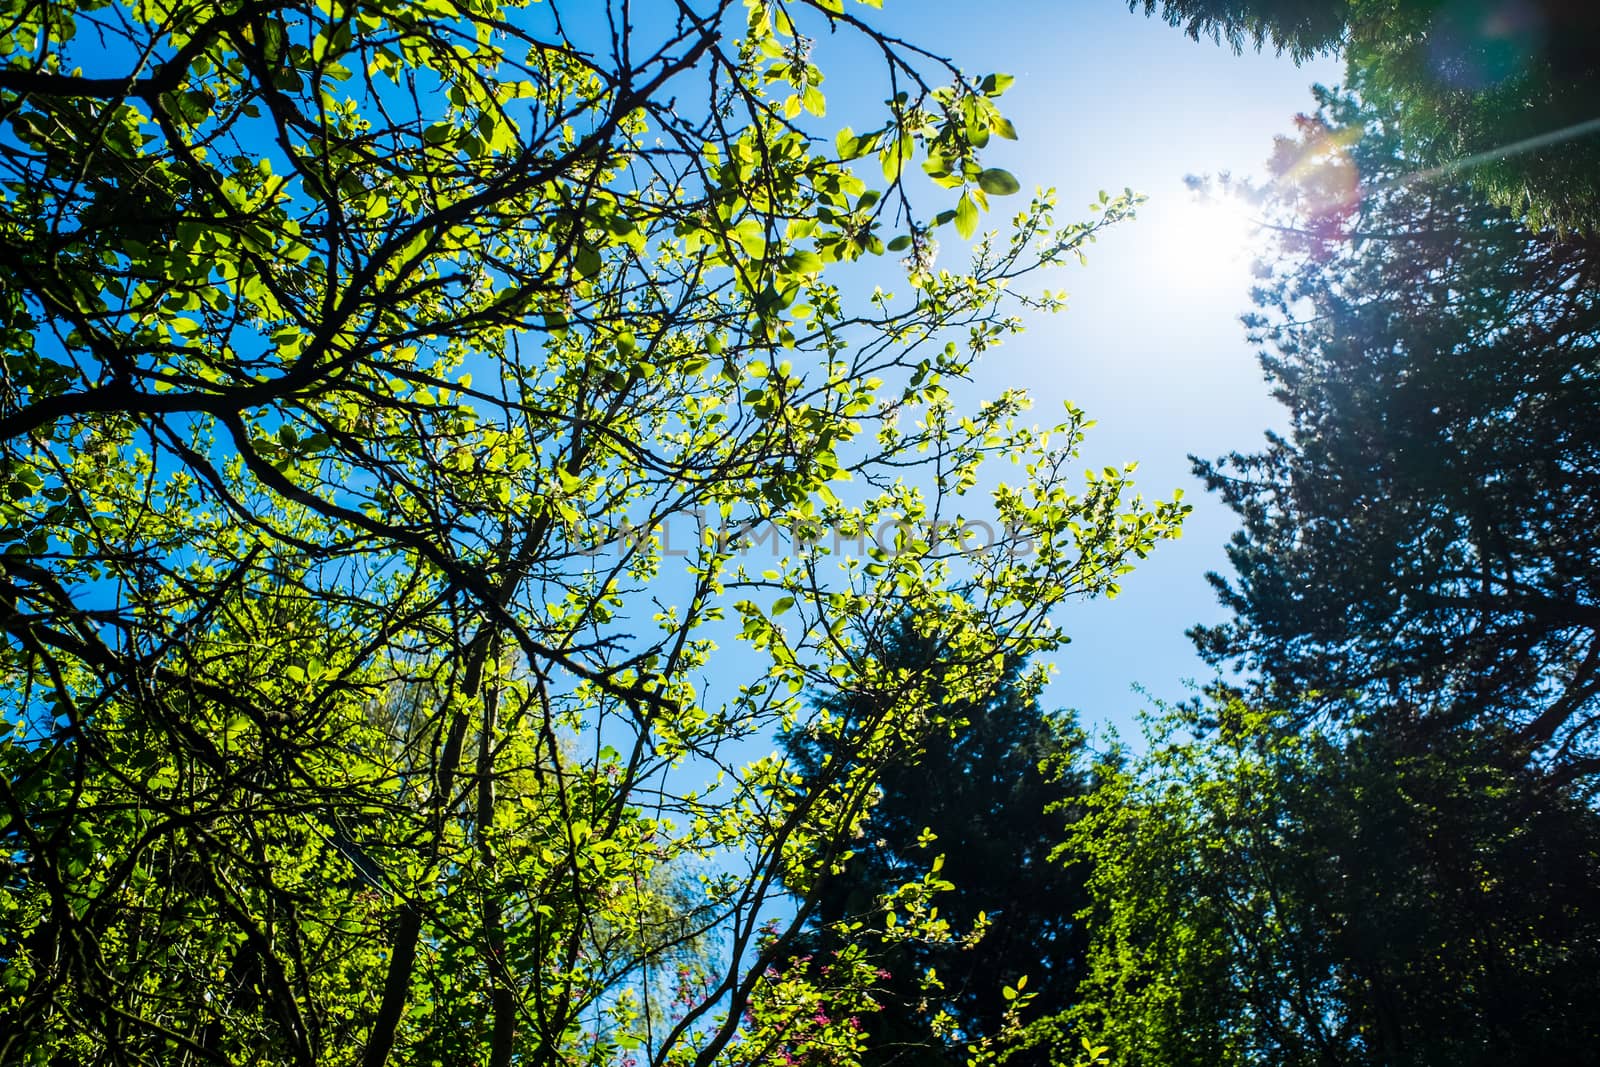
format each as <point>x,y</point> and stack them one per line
<point>1264,893</point>
<point>1374,840</point>
<point>1378,845</point>
<point>401,403</point>
<point>1423,537</point>
<point>1302,28</point>
<point>494,568</point>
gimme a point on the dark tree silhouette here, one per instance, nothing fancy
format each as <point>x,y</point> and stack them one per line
<point>993,799</point>
<point>1424,538</point>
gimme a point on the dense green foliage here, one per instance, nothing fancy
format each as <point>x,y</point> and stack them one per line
<point>1506,93</point>
<point>1276,895</point>
<point>989,794</point>
<point>392,393</point>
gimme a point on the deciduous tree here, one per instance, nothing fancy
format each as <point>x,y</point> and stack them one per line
<point>367,367</point>
<point>1267,894</point>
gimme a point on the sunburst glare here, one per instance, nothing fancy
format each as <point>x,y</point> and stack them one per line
<point>1202,239</point>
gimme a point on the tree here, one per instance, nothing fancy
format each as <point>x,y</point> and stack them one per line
<point>367,367</point>
<point>1423,538</point>
<point>1303,28</point>
<point>1379,846</point>
<point>1505,96</point>
<point>981,800</point>
<point>1265,894</point>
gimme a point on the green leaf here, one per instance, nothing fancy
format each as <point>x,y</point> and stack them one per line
<point>803,262</point>
<point>995,84</point>
<point>752,238</point>
<point>997,182</point>
<point>966,217</point>
<point>894,155</point>
<point>588,261</point>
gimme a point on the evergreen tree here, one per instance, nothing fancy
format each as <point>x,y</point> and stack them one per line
<point>987,803</point>
<point>1425,539</point>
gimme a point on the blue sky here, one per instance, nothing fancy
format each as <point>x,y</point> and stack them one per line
<point>1151,347</point>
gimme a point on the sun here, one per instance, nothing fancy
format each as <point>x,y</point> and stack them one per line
<point>1203,241</point>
